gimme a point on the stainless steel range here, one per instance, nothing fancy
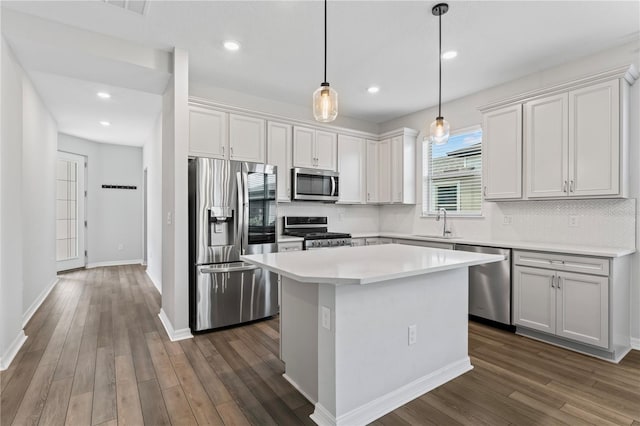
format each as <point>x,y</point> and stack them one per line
<point>314,231</point>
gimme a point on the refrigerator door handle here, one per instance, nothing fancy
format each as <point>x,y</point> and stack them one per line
<point>245,209</point>
<point>240,212</point>
<point>245,267</point>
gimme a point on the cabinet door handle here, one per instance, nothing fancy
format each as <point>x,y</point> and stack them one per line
<point>553,277</point>
<point>368,196</point>
<point>222,149</point>
<point>484,191</point>
<point>558,283</point>
<point>231,151</point>
<point>572,187</point>
<point>564,186</point>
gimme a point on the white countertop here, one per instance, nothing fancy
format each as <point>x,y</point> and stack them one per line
<point>520,245</point>
<point>364,265</point>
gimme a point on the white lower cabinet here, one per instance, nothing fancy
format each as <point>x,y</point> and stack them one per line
<point>574,306</point>
<point>575,300</point>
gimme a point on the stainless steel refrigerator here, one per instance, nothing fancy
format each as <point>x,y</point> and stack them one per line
<point>232,211</point>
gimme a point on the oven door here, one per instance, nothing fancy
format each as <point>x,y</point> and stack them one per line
<point>314,185</point>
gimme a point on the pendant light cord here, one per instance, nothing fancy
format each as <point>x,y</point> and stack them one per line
<point>325,41</point>
<point>439,64</point>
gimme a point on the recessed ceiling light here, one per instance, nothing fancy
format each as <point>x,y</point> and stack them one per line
<point>104,95</point>
<point>231,45</point>
<point>105,123</point>
<point>373,89</point>
<point>449,54</point>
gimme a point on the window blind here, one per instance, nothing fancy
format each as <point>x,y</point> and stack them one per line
<point>452,174</point>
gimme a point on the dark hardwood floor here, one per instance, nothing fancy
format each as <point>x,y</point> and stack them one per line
<point>98,354</point>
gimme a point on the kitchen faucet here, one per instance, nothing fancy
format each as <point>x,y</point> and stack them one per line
<point>445,231</point>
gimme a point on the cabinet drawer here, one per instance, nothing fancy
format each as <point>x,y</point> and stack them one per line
<point>560,262</point>
<point>290,246</point>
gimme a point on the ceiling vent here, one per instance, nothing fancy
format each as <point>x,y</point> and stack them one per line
<point>137,6</point>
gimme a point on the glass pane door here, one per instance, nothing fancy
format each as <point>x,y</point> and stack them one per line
<point>262,208</point>
<point>69,212</point>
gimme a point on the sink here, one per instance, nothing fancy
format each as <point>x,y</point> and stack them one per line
<point>437,237</point>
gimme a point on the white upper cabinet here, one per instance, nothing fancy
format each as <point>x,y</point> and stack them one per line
<point>351,166</point>
<point>391,171</point>
<point>594,140</point>
<point>304,146</point>
<point>207,133</point>
<point>314,148</point>
<point>326,150</point>
<point>218,134</point>
<point>547,148</point>
<point>502,153</point>
<point>246,138</point>
<point>403,167</point>
<point>573,143</point>
<point>372,171</point>
<point>575,138</point>
<point>384,171</point>
<point>279,137</point>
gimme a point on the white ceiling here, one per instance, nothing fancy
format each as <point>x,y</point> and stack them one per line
<point>392,44</point>
<point>78,110</point>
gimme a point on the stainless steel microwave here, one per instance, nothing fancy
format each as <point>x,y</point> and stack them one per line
<point>314,185</point>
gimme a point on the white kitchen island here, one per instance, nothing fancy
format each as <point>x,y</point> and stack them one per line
<point>364,330</point>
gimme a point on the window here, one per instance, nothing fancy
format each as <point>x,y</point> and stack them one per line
<point>452,174</point>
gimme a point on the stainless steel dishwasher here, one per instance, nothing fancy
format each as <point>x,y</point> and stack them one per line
<point>490,286</point>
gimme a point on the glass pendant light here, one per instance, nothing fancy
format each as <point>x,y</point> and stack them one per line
<point>325,99</point>
<point>439,130</point>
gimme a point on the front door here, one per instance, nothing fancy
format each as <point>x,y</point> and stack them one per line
<point>70,212</point>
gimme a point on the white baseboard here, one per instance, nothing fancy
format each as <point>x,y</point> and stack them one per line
<point>114,263</point>
<point>384,404</point>
<point>635,343</point>
<point>155,284</point>
<point>174,335</point>
<point>36,303</point>
<point>7,357</point>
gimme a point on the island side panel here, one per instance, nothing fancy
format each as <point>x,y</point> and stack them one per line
<point>299,336</point>
<point>367,353</point>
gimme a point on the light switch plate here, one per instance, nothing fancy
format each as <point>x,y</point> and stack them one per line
<point>574,221</point>
<point>326,317</point>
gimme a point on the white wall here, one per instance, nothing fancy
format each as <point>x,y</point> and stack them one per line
<point>175,239</point>
<point>152,162</point>
<point>39,147</point>
<point>255,103</point>
<point>534,219</point>
<point>114,216</point>
<point>11,278</point>
<point>27,207</point>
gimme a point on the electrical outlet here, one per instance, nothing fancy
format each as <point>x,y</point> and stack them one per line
<point>507,220</point>
<point>326,318</point>
<point>574,221</point>
<point>413,334</point>
<point>169,218</point>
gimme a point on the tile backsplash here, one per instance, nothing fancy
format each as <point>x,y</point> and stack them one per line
<point>606,223</point>
<point>341,218</point>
